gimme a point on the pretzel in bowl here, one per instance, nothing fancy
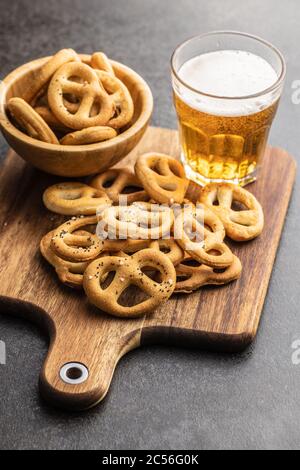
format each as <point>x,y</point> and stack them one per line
<point>72,246</point>
<point>240,225</point>
<point>89,135</point>
<point>121,97</point>
<point>201,233</point>
<point>100,61</point>
<point>163,177</point>
<point>43,75</point>
<point>69,272</point>
<point>74,198</point>
<point>141,220</point>
<point>87,89</point>
<point>191,276</point>
<point>31,121</point>
<point>46,114</point>
<point>129,270</point>
<point>120,182</point>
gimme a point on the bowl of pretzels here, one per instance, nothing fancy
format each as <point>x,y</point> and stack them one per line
<point>74,114</point>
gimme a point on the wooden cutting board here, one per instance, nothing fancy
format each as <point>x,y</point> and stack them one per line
<point>220,318</point>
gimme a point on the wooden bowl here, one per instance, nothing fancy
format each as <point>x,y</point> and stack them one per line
<point>80,160</point>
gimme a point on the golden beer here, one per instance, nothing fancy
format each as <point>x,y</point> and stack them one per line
<point>221,147</point>
<point>226,89</point>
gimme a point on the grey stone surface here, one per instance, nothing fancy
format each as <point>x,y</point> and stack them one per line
<point>164,398</point>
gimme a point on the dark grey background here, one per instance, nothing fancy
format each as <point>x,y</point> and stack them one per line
<point>164,398</point>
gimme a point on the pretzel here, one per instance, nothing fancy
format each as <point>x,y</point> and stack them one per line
<point>70,246</point>
<point>200,222</point>
<point>126,247</point>
<point>73,198</point>
<point>69,273</point>
<point>239,225</point>
<point>29,120</point>
<point>163,177</point>
<point>46,114</point>
<point>190,277</point>
<point>121,97</point>
<point>43,75</point>
<point>118,182</point>
<point>101,62</point>
<point>89,135</point>
<point>129,271</point>
<point>89,92</point>
<point>170,248</point>
<point>141,220</point>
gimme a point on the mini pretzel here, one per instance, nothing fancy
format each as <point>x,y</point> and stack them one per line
<point>239,225</point>
<point>163,177</point>
<point>141,220</point>
<point>89,92</point>
<point>115,182</point>
<point>202,223</point>
<point>46,114</point>
<point>190,278</point>
<point>69,273</point>
<point>121,97</point>
<point>170,248</point>
<point>89,135</point>
<point>73,247</point>
<point>129,271</point>
<point>127,246</point>
<point>43,75</point>
<point>29,120</point>
<point>101,62</point>
<point>74,198</point>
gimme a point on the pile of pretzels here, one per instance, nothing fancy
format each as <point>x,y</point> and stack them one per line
<point>157,264</point>
<point>70,102</point>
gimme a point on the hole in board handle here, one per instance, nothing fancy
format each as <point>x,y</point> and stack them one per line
<point>74,373</point>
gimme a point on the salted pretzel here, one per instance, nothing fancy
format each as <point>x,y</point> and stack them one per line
<point>170,248</point>
<point>240,225</point>
<point>43,74</point>
<point>89,135</point>
<point>89,92</point>
<point>69,273</point>
<point>74,198</point>
<point>128,271</point>
<point>100,61</point>
<point>190,276</point>
<point>163,177</point>
<point>201,233</point>
<point>31,121</point>
<point>121,97</point>
<point>120,182</point>
<point>141,220</point>
<point>70,246</point>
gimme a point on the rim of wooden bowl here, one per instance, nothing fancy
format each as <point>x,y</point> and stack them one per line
<point>142,120</point>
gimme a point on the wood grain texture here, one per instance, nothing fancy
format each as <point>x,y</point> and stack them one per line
<point>220,318</point>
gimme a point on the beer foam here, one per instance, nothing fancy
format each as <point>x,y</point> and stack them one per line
<point>230,74</point>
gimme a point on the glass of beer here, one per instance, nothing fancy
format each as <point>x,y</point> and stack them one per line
<point>226,87</point>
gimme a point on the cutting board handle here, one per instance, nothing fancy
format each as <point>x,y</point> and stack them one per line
<point>76,375</point>
<point>80,363</point>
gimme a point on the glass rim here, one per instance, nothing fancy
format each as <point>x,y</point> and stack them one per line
<point>271,88</point>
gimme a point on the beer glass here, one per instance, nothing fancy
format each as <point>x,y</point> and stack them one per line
<point>226,88</point>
